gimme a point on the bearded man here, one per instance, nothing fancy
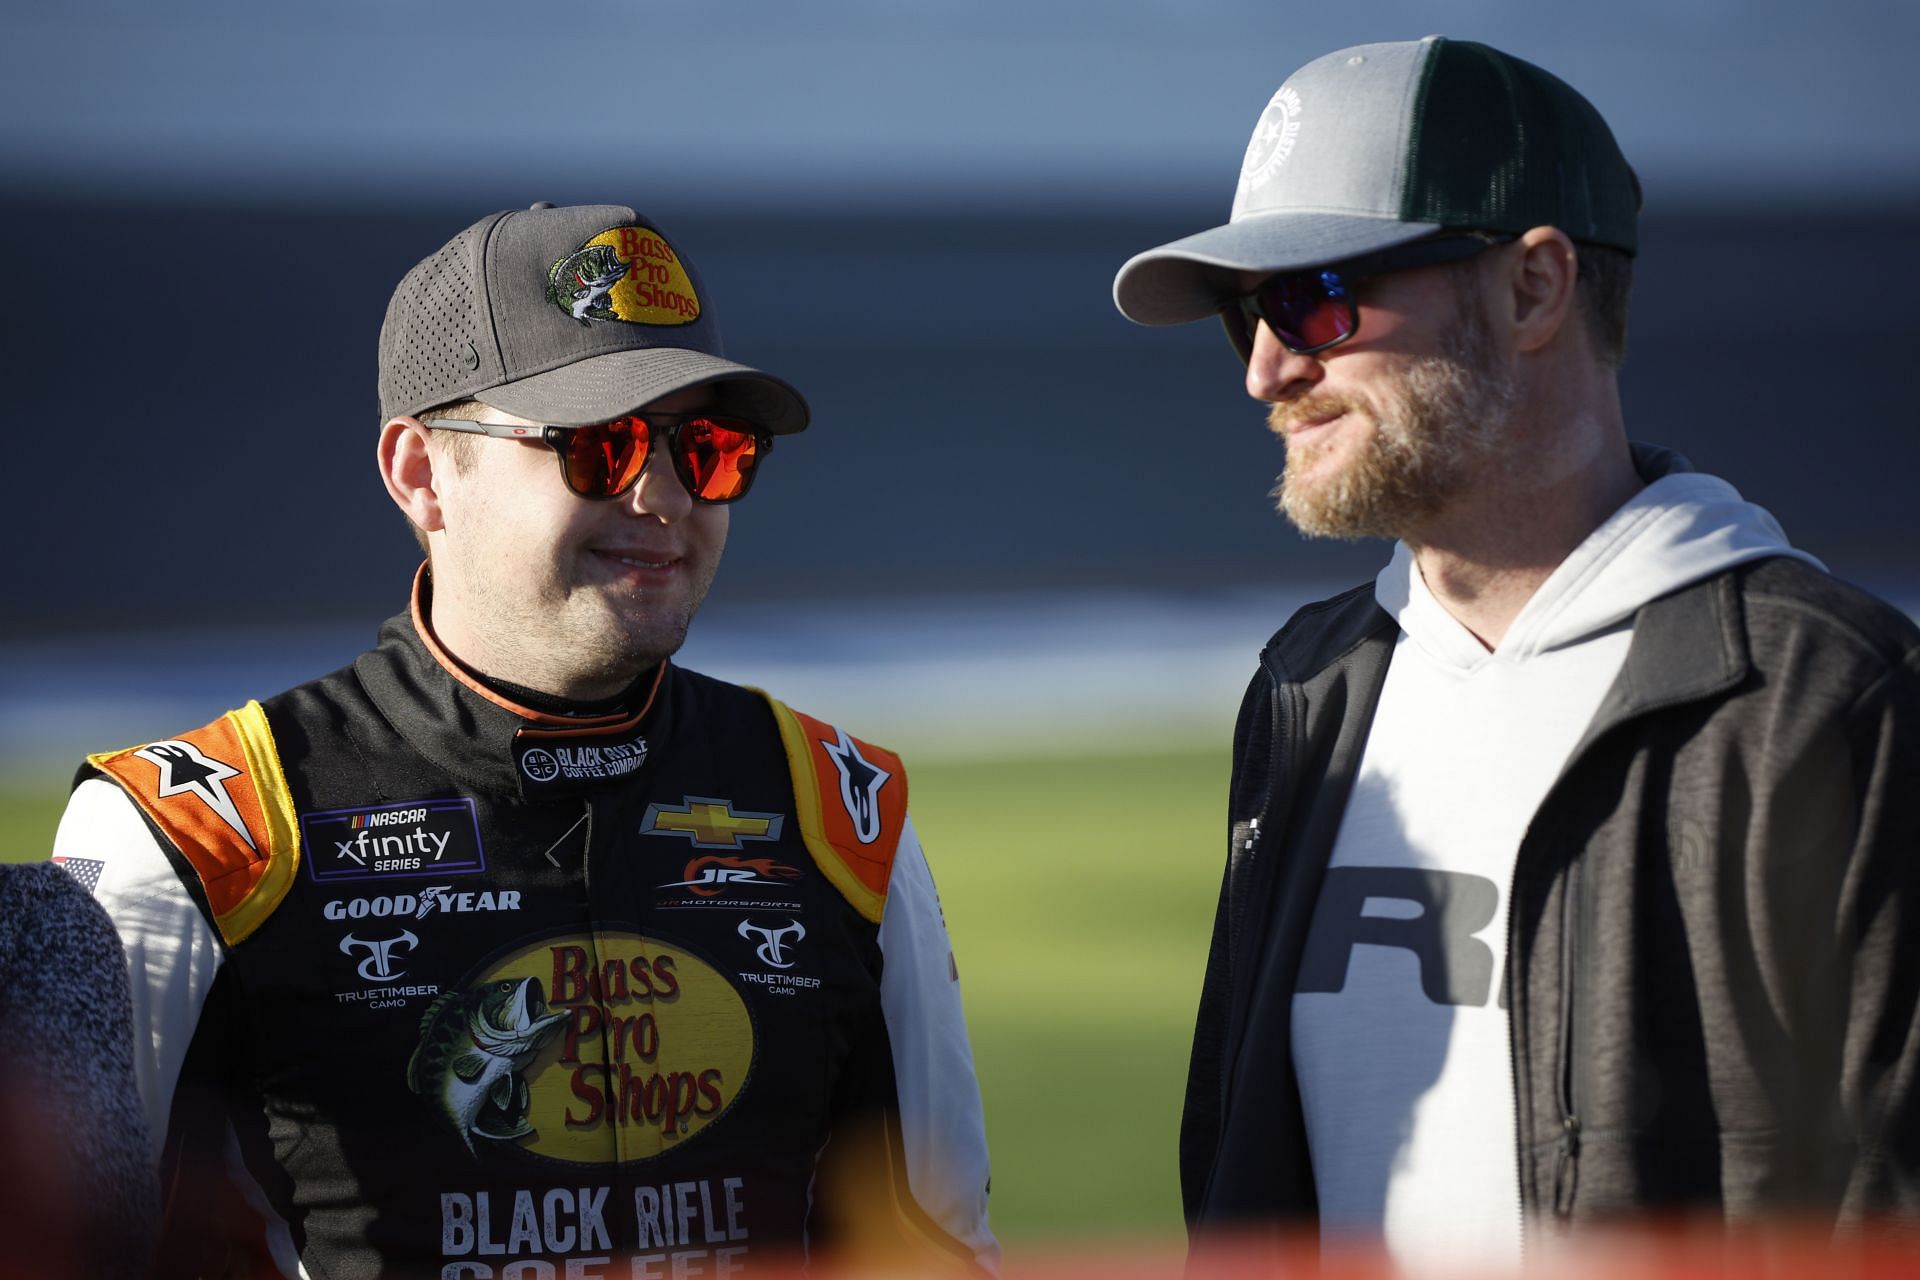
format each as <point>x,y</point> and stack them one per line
<point>1571,867</point>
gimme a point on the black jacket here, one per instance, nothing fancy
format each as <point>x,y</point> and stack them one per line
<point>1714,929</point>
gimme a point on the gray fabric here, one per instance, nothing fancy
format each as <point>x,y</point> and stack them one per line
<point>1374,145</point>
<point>1322,179</point>
<point>1334,138</point>
<point>1714,973</point>
<point>1190,278</point>
<point>78,1193</point>
<point>478,318</point>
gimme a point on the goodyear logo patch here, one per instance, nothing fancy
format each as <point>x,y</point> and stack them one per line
<point>588,1049</point>
<point>418,838</point>
<point>626,273</point>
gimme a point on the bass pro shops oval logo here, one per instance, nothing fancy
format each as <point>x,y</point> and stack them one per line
<point>586,1048</point>
<point>626,273</point>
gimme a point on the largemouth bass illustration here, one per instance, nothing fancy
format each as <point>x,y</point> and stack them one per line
<point>473,1046</point>
<point>580,282</point>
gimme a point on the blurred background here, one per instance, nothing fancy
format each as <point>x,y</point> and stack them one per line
<point>1026,543</point>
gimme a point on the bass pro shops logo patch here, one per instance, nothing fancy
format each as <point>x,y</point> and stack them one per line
<point>628,274</point>
<point>586,1049</point>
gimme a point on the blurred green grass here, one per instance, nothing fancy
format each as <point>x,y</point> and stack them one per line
<point>1079,893</point>
<point>30,807</point>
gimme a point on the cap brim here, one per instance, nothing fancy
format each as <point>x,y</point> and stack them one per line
<point>1190,279</point>
<point>606,386</point>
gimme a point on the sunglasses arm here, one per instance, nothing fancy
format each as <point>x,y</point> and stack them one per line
<point>497,430</point>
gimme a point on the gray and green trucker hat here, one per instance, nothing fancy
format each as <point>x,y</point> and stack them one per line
<point>566,316</point>
<point>1380,144</point>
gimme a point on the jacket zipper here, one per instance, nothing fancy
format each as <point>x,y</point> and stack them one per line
<point>1277,725</point>
<point>1566,1160</point>
<point>1236,906</point>
<point>1513,1069</point>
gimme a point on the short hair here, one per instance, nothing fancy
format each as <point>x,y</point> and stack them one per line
<point>1604,281</point>
<point>459,447</point>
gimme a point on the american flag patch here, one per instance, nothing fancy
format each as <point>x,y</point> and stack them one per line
<point>85,870</point>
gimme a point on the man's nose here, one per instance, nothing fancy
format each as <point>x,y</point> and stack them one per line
<point>659,492</point>
<point>1275,373</point>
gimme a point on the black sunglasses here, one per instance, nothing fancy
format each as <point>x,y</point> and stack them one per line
<point>715,457</point>
<point>1313,309</point>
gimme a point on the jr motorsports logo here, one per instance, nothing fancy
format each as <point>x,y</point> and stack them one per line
<point>714,874</point>
<point>393,841</point>
<point>625,273</point>
<point>586,1049</point>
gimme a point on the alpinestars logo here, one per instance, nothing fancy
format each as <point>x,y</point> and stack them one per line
<point>185,768</point>
<point>771,950</point>
<point>860,783</point>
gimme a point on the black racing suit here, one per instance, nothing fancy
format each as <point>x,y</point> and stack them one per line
<point>436,985</point>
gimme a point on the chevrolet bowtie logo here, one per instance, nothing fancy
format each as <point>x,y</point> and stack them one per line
<point>711,824</point>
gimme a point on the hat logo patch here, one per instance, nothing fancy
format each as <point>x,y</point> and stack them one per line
<point>628,274</point>
<point>1272,141</point>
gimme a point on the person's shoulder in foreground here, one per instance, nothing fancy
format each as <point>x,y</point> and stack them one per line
<point>1571,863</point>
<point>77,1192</point>
<point>514,947</point>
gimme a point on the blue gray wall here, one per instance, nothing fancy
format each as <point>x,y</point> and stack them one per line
<point>193,408</point>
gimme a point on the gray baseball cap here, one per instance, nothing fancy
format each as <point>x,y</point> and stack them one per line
<point>1381,144</point>
<point>566,316</point>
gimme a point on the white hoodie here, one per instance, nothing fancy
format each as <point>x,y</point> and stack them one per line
<point>1399,1040</point>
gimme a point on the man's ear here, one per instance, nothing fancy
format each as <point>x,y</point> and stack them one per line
<point>407,469</point>
<point>1544,270</point>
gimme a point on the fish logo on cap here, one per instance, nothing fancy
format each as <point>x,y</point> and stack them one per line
<point>628,274</point>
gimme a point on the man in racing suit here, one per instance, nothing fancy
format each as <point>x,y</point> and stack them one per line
<point>512,949</point>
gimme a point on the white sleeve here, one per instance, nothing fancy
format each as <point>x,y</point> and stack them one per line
<point>942,1127</point>
<point>172,954</point>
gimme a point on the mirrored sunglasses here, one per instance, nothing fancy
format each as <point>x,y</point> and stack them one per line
<point>715,457</point>
<point>1313,309</point>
